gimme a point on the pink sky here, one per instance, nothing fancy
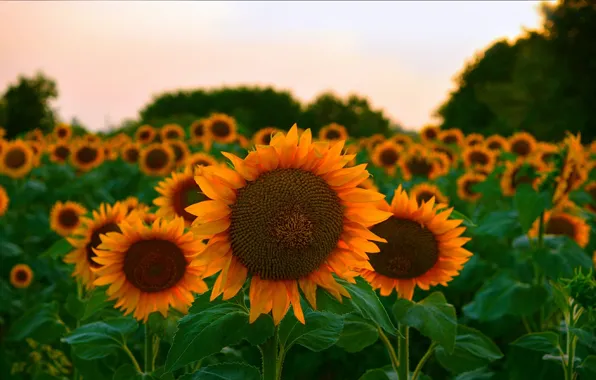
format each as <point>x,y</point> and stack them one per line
<point>110,58</point>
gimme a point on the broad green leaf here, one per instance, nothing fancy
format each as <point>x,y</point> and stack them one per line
<point>95,303</point>
<point>379,374</point>
<point>225,371</point>
<point>562,260</point>
<point>366,302</point>
<point>585,336</point>
<point>529,205</point>
<point>473,350</point>
<point>433,317</point>
<point>466,220</point>
<point>58,250</point>
<point>40,322</point>
<point>543,342</point>
<point>9,249</point>
<point>129,372</point>
<point>498,224</point>
<point>588,366</point>
<point>357,334</point>
<point>477,374</point>
<point>99,339</point>
<point>321,331</point>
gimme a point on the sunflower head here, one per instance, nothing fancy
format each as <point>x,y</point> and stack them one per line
<point>17,159</point>
<point>479,158</point>
<point>62,131</point>
<point>263,136</point>
<point>452,136</point>
<point>440,148</point>
<point>37,148</point>
<point>418,163</point>
<point>402,140</point>
<point>198,131</point>
<point>171,132</point>
<point>221,128</point>
<point>181,151</point>
<point>465,186</point>
<point>92,138</point>
<point>386,155</point>
<point>473,139</point>
<point>4,200</point>
<point>65,217</point>
<point>546,154</point>
<point>157,159</point>
<point>333,132</point>
<point>35,135</point>
<point>200,159</point>
<point>423,247</point>
<point>289,214</point>
<point>497,143</point>
<point>86,155</point>
<point>130,152</point>
<point>60,152</point>
<point>21,276</point>
<point>429,133</point>
<point>522,144</point>
<point>373,141</point>
<point>145,134</point>
<point>131,204</point>
<point>561,223</point>
<point>574,170</point>
<point>521,171</point>
<point>178,192</point>
<point>424,192</point>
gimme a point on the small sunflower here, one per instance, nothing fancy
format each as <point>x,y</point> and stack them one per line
<point>497,143</point>
<point>416,163</point>
<point>263,136</point>
<point>423,247</point>
<point>429,133</point>
<point>131,204</point>
<point>546,153</point>
<point>87,237</point>
<point>563,223</point>
<point>86,155</point>
<point>145,134</point>
<point>386,155</point>
<point>4,200</point>
<point>222,128</point>
<point>522,144</point>
<point>198,131</point>
<point>21,276</point>
<point>157,159</point>
<point>438,148</point>
<point>178,191</point>
<point>479,158</point>
<point>17,159</point>
<point>443,163</point>
<point>65,217</point>
<point>333,132</point>
<point>374,140</point>
<point>465,186</point>
<point>59,152</point>
<point>171,132</point>
<point>92,138</point>
<point>35,135</point>
<point>574,171</point>
<point>181,151</point>
<point>37,148</point>
<point>62,131</point>
<point>143,213</point>
<point>109,153</point>
<point>402,140</point>
<point>202,159</point>
<point>150,268</point>
<point>521,171</point>
<point>130,152</point>
<point>424,192</point>
<point>288,215</point>
<point>590,188</point>
<point>452,136</point>
<point>473,139</point>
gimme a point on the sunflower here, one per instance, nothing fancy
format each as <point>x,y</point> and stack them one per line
<point>424,192</point>
<point>62,131</point>
<point>143,213</point>
<point>145,134</point>
<point>59,152</point>
<point>473,139</point>
<point>131,204</point>
<point>521,171</point>
<point>562,223</point>
<point>221,127</point>
<point>200,158</point>
<point>87,237</point>
<point>386,155</point>
<point>263,136</point>
<point>423,247</point>
<point>109,153</point>
<point>402,140</point>
<point>479,158</point>
<point>180,149</point>
<point>4,200</point>
<point>65,217</point>
<point>465,184</point>
<point>373,141</point>
<point>522,144</point>
<point>198,131</point>
<point>438,148</point>
<point>590,188</point>
<point>157,159</point>
<point>452,136</point>
<point>92,138</point>
<point>289,214</point>
<point>17,159</point>
<point>37,148</point>
<point>416,163</point>
<point>497,143</point>
<point>87,155</point>
<point>171,132</point>
<point>130,152</point>
<point>21,276</point>
<point>545,153</point>
<point>150,268</point>
<point>35,135</point>
<point>178,191</point>
<point>333,132</point>
<point>429,133</point>
<point>443,163</point>
<point>574,171</point>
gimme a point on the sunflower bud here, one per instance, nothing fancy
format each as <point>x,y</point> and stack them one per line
<point>582,288</point>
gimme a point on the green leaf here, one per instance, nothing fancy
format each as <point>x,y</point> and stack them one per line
<point>379,374</point>
<point>498,224</point>
<point>466,220</point>
<point>477,374</point>
<point>563,260</point>
<point>543,342</point>
<point>588,366</point>
<point>129,372</point>
<point>529,205</point>
<point>225,371</point>
<point>321,331</point>
<point>587,338</point>
<point>95,303</point>
<point>367,303</point>
<point>473,350</point>
<point>40,322</point>
<point>99,339</point>
<point>9,249</point>
<point>74,306</point>
<point>357,334</point>
<point>58,249</point>
<point>433,317</point>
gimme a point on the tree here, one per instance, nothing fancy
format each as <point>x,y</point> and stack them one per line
<point>26,105</point>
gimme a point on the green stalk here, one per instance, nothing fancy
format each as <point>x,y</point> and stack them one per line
<point>132,358</point>
<point>403,348</point>
<point>148,351</point>
<point>423,361</point>
<point>390,349</point>
<point>269,351</point>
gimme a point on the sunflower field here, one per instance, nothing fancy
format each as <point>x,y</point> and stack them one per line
<point>198,253</point>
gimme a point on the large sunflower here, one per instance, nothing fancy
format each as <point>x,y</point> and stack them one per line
<point>429,133</point>
<point>65,217</point>
<point>479,158</point>
<point>497,143</point>
<point>171,132</point>
<point>522,144</point>
<point>178,191</point>
<point>521,171</point>
<point>198,131</point>
<point>181,151</point>
<point>424,192</point>
<point>200,158</point>
<point>424,248</point>
<point>333,132</point>
<point>130,152</point>
<point>386,155</point>
<point>4,200</point>
<point>557,222</point>
<point>157,159</point>
<point>452,136</point>
<point>289,214</point>
<point>87,237</point>
<point>263,136</point>
<point>417,163</point>
<point>87,155</point>
<point>21,276</point>
<point>145,134</point>
<point>62,131</point>
<point>16,160</point>
<point>465,186</point>
<point>150,268</point>
<point>59,152</point>
<point>221,128</point>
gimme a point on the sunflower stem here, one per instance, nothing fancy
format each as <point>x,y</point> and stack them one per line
<point>423,361</point>
<point>390,349</point>
<point>132,358</point>
<point>148,350</point>
<point>403,348</point>
<point>269,353</point>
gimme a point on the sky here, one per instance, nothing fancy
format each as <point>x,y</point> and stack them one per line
<point>110,58</point>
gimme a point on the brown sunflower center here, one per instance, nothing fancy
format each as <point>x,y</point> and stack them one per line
<point>156,159</point>
<point>68,218</point>
<point>201,162</point>
<point>411,250</point>
<point>419,167</point>
<point>187,194</point>
<point>220,129</point>
<point>430,133</point>
<point>521,147</point>
<point>474,142</point>
<point>495,145</point>
<point>86,155</point>
<point>478,158</point>
<point>450,139</point>
<point>389,157</point>
<point>199,130</point>
<point>62,152</point>
<point>62,132</point>
<point>444,150</point>
<point>266,139</point>
<point>132,155</point>
<point>172,134</point>
<point>144,135</point>
<point>469,185</point>
<point>332,134</point>
<point>22,275</point>
<point>178,153</point>
<point>95,241</point>
<point>285,224</point>
<point>424,196</point>
<point>559,225</point>
<point>15,158</point>
<point>154,265</point>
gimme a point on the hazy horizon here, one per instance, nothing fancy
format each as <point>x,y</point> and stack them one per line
<point>110,58</point>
